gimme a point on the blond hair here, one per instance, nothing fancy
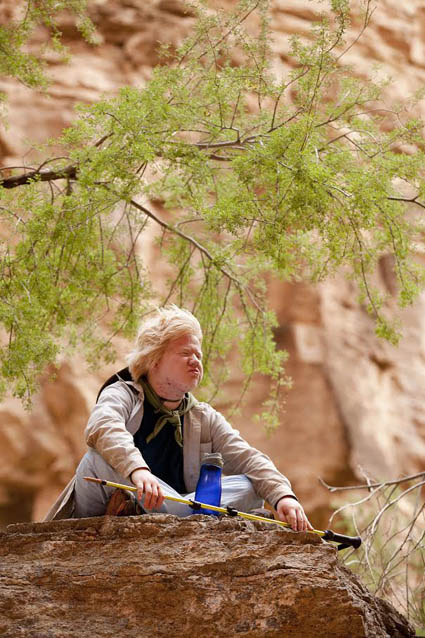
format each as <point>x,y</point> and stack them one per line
<point>155,333</point>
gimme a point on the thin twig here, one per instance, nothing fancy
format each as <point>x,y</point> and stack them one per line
<point>411,477</point>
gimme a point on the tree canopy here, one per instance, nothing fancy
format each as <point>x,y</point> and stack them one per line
<point>15,58</point>
<point>244,172</point>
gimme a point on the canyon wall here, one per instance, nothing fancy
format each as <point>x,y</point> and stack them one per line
<point>356,401</point>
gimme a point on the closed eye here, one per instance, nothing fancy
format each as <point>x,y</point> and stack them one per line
<point>188,353</point>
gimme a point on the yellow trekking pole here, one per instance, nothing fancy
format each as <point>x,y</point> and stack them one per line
<point>327,535</point>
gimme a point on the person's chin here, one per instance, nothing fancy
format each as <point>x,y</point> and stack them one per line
<point>195,380</point>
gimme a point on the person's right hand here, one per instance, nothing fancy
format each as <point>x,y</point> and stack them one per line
<point>149,487</point>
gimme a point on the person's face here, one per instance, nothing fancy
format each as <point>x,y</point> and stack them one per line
<point>181,364</point>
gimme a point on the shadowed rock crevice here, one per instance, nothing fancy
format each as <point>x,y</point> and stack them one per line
<point>159,575</point>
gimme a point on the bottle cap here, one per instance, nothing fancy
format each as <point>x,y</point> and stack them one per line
<point>212,458</point>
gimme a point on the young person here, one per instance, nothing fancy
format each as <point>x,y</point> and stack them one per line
<point>147,430</point>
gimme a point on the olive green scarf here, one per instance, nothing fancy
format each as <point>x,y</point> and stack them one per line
<point>166,415</point>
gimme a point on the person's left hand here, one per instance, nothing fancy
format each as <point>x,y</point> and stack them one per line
<point>291,511</point>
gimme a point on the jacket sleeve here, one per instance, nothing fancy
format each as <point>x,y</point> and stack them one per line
<point>240,458</point>
<point>106,430</point>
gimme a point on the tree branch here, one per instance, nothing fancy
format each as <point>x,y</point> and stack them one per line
<point>69,172</point>
<point>412,200</point>
<point>200,247</point>
<point>369,486</point>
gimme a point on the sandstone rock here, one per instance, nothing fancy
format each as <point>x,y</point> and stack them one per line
<point>159,575</point>
<point>355,401</point>
<point>381,409</point>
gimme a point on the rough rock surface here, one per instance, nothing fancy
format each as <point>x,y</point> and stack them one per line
<point>159,576</point>
<point>355,400</point>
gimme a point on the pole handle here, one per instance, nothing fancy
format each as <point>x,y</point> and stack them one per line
<point>346,541</point>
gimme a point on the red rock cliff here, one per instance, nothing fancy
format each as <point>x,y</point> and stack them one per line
<point>355,400</point>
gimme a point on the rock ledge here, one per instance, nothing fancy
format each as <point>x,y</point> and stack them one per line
<point>159,576</point>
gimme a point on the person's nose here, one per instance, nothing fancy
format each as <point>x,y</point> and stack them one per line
<point>195,361</point>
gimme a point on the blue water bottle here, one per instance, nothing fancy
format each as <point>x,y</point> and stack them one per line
<point>208,489</point>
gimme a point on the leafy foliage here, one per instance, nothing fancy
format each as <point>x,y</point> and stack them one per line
<point>15,59</point>
<point>243,173</point>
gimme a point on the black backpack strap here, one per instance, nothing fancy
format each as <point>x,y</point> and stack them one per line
<point>121,375</point>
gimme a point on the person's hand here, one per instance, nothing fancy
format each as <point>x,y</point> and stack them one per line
<point>147,486</point>
<point>292,512</point>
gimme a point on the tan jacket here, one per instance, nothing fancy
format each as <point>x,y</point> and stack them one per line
<point>117,417</point>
